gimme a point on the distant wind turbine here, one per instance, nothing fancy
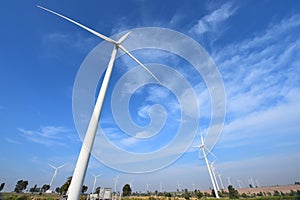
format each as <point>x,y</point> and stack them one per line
<point>221,181</point>
<point>74,190</point>
<point>95,180</point>
<point>116,182</point>
<point>214,175</point>
<point>252,182</point>
<point>55,172</point>
<point>257,183</point>
<point>229,181</point>
<point>148,187</point>
<point>178,187</point>
<point>203,148</point>
<point>239,183</point>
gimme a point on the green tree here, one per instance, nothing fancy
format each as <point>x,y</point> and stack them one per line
<point>233,193</point>
<point>84,189</point>
<point>33,189</point>
<point>58,190</point>
<point>20,186</point>
<point>186,194</point>
<point>45,187</point>
<point>64,188</point>
<point>98,190</point>
<point>126,190</point>
<point>2,186</point>
<point>276,193</point>
<point>199,194</point>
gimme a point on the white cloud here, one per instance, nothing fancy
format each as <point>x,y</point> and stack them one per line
<point>279,120</point>
<point>260,71</point>
<point>47,135</point>
<point>210,22</point>
<point>12,141</point>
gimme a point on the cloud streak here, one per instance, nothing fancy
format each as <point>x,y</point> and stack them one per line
<point>212,21</point>
<point>47,135</point>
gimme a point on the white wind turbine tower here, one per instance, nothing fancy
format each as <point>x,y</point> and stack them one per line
<point>55,173</point>
<point>214,175</point>
<point>178,187</point>
<point>219,175</point>
<point>148,187</point>
<point>239,183</point>
<point>203,148</point>
<point>257,184</point>
<point>84,155</point>
<point>116,182</point>
<point>95,180</point>
<point>229,181</point>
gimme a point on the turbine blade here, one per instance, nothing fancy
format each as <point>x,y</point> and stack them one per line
<point>52,166</point>
<point>202,141</point>
<point>78,24</point>
<point>123,37</point>
<point>210,152</point>
<point>136,60</point>
<point>61,166</point>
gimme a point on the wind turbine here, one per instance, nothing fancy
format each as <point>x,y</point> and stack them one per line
<point>239,183</point>
<point>95,180</point>
<point>257,184</point>
<point>203,148</point>
<point>252,182</point>
<point>229,181</point>
<point>84,155</point>
<point>148,187</point>
<point>214,175</point>
<point>116,182</point>
<point>221,180</point>
<point>178,187</point>
<point>55,173</point>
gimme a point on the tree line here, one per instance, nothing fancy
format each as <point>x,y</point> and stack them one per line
<point>21,185</point>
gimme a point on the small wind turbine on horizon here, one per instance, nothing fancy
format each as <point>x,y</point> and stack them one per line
<point>74,190</point>
<point>229,181</point>
<point>239,183</point>
<point>95,180</point>
<point>115,184</point>
<point>55,172</point>
<point>148,187</point>
<point>214,175</point>
<point>178,187</point>
<point>257,183</point>
<point>203,148</point>
<point>219,175</point>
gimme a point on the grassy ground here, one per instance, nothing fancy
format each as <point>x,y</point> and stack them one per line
<point>26,196</point>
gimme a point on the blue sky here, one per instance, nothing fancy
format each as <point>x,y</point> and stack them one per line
<point>255,46</point>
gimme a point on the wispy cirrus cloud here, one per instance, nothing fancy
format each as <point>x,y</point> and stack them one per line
<point>262,87</point>
<point>47,135</point>
<point>12,141</point>
<point>212,21</point>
